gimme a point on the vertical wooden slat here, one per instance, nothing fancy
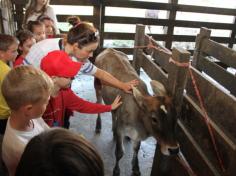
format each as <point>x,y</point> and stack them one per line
<point>139,41</point>
<point>19,15</point>
<point>172,16</point>
<point>101,21</point>
<point>177,76</point>
<point>204,33</point>
<point>233,35</point>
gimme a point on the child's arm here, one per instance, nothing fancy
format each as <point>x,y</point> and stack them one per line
<point>75,103</point>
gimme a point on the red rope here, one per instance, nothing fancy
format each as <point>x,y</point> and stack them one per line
<point>205,116</point>
<point>206,119</point>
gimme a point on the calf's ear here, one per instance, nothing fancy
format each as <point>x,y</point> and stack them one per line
<point>158,88</point>
<point>138,96</point>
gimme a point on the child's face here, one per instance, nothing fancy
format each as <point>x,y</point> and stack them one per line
<point>85,52</point>
<point>10,54</point>
<point>39,33</point>
<point>39,108</point>
<point>49,26</point>
<point>60,83</point>
<point>27,45</point>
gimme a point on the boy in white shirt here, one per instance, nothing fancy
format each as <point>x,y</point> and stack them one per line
<point>26,91</point>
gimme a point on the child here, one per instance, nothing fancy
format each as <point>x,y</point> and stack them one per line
<point>62,68</point>
<point>8,52</point>
<point>27,91</point>
<point>60,152</point>
<point>36,8</point>
<point>26,39</point>
<point>38,29</point>
<point>49,26</point>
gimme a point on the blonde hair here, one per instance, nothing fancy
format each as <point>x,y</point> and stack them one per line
<point>31,8</point>
<point>25,85</point>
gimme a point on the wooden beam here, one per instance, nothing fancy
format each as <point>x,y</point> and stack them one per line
<point>222,53</point>
<point>168,7</point>
<point>233,34</point>
<point>138,41</point>
<point>218,73</point>
<point>170,29</point>
<point>165,22</point>
<point>63,18</point>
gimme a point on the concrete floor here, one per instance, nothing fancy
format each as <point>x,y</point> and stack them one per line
<point>85,124</point>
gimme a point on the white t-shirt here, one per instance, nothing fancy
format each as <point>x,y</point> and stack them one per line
<point>50,13</point>
<point>39,50</point>
<point>14,143</point>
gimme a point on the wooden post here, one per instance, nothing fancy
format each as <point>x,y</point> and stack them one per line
<point>233,34</point>
<point>139,41</point>
<point>177,76</point>
<point>160,164</point>
<point>204,33</point>
<point>170,30</point>
<point>98,14</point>
<point>177,79</point>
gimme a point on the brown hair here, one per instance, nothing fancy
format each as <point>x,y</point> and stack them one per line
<point>42,18</point>
<point>82,33</point>
<point>60,152</point>
<point>32,24</point>
<point>6,41</point>
<point>22,36</point>
<point>25,85</point>
<point>31,8</point>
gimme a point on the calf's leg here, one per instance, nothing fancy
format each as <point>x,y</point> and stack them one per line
<point>119,152</point>
<point>98,88</point>
<point>135,162</point>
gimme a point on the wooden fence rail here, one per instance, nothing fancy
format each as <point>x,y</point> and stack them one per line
<point>99,18</point>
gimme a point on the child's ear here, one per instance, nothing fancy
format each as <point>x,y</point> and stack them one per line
<point>76,45</point>
<point>27,109</point>
<point>1,54</point>
<point>20,48</point>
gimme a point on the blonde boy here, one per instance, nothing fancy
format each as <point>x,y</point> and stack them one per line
<point>26,91</point>
<point>8,52</point>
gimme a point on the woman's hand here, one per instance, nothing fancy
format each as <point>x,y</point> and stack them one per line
<point>127,87</point>
<point>116,103</point>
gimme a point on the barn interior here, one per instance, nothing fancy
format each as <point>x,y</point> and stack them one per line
<point>202,32</point>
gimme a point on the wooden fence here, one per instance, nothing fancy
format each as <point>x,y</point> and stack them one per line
<point>220,104</point>
<point>99,18</point>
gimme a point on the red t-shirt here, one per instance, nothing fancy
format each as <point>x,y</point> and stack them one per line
<point>66,99</point>
<point>18,61</point>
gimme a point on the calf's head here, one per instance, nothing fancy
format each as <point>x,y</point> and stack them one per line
<point>160,117</point>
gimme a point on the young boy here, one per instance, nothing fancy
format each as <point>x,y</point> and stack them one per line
<point>8,52</point>
<point>26,91</point>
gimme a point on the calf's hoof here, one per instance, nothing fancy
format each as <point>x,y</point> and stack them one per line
<point>116,172</point>
<point>136,173</point>
<point>98,130</point>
